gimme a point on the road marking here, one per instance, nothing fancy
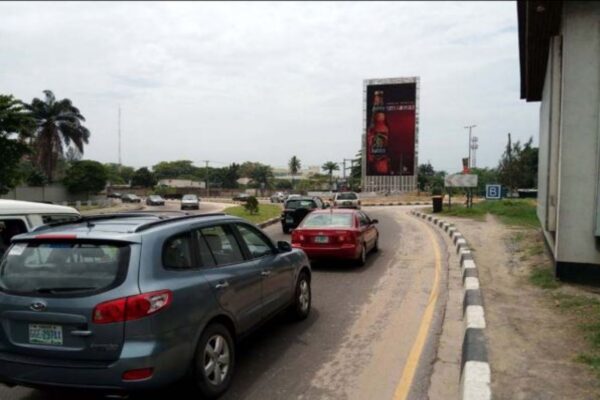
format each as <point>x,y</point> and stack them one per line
<point>410,368</point>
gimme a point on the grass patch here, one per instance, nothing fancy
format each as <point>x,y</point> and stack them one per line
<point>586,310</point>
<point>521,212</point>
<point>543,277</point>
<point>265,212</point>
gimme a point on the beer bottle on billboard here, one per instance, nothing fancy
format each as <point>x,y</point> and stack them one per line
<point>377,138</point>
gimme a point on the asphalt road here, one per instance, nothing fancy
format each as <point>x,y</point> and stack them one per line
<point>361,336</point>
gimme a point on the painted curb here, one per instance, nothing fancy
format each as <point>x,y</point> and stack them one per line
<point>268,222</point>
<point>475,372</point>
<point>408,203</point>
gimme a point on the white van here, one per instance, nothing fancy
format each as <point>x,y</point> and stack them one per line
<point>22,216</point>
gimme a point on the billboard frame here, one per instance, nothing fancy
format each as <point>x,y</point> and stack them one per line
<point>403,183</point>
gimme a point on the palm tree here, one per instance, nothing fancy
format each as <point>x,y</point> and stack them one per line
<point>295,166</point>
<point>329,167</point>
<point>58,126</point>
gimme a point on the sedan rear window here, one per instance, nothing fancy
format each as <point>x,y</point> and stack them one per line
<point>294,204</point>
<point>347,196</point>
<point>331,219</point>
<point>189,197</point>
<point>65,267</point>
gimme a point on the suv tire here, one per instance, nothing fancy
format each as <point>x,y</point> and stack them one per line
<point>300,307</point>
<point>214,361</point>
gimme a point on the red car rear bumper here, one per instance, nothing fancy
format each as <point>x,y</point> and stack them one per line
<point>344,252</point>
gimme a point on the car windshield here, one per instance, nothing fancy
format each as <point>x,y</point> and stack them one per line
<point>328,219</point>
<point>61,267</point>
<point>347,196</point>
<point>294,204</point>
<point>155,197</point>
<point>189,197</point>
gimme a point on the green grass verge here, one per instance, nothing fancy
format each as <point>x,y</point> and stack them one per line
<point>520,212</point>
<point>587,312</point>
<point>265,212</point>
<point>543,277</point>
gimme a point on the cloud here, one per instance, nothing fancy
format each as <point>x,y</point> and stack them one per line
<point>263,81</point>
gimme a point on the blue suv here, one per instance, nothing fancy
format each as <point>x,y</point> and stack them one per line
<point>127,302</point>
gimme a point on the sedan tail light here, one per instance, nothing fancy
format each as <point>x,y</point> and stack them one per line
<point>298,237</point>
<point>131,308</point>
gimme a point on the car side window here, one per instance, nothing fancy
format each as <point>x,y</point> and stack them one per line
<point>364,220</point>
<point>205,256</point>
<point>177,252</point>
<point>256,243</point>
<point>222,244</point>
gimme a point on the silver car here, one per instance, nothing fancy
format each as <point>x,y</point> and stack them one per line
<point>129,302</point>
<point>190,201</point>
<point>346,200</point>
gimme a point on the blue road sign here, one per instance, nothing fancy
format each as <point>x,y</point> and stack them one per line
<point>493,192</point>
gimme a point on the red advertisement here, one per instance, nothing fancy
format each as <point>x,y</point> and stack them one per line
<point>391,111</point>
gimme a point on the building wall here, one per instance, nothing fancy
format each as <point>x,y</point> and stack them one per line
<point>579,134</point>
<point>55,193</point>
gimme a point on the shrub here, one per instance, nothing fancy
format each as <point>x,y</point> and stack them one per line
<point>251,205</point>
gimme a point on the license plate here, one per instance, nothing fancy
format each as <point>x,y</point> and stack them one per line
<point>321,239</point>
<point>347,203</point>
<point>289,220</point>
<point>46,334</point>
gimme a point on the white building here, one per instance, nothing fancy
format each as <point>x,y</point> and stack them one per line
<point>559,45</point>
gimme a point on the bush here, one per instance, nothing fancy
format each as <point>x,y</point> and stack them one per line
<point>251,205</point>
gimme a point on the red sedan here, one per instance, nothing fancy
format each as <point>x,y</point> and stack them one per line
<point>338,234</point>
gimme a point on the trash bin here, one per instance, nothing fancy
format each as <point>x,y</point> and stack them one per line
<point>437,203</point>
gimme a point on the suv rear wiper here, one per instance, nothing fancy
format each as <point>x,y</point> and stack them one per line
<point>62,289</point>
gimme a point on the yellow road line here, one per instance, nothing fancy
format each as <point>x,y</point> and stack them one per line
<point>412,362</point>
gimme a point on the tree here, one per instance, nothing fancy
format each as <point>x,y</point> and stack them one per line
<point>180,169</point>
<point>85,176</point>
<point>143,178</point>
<point>294,165</point>
<point>58,124</point>
<point>14,121</point>
<point>356,171</point>
<point>231,174</point>
<point>118,174</point>
<point>424,176</point>
<point>262,175</point>
<point>329,167</point>
<point>518,166</point>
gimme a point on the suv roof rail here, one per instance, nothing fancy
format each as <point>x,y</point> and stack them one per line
<point>95,217</point>
<point>161,221</point>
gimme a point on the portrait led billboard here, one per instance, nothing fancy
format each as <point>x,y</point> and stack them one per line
<point>390,128</point>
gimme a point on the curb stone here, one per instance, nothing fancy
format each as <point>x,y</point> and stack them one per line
<point>407,203</point>
<point>475,373</point>
<point>268,222</point>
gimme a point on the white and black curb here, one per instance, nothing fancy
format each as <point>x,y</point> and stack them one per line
<point>410,203</point>
<point>475,377</point>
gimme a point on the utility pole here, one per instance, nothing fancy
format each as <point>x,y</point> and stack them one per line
<point>470,127</point>
<point>119,136</point>
<point>206,177</point>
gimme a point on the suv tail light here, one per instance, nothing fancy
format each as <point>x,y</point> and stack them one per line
<point>137,374</point>
<point>132,307</point>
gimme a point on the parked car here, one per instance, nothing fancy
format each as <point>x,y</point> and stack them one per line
<point>346,200</point>
<point>22,216</point>
<point>115,195</point>
<point>190,201</point>
<point>126,302</point>
<point>337,234</point>
<point>241,197</point>
<point>131,198</point>
<point>278,197</point>
<point>155,200</point>
<point>296,208</point>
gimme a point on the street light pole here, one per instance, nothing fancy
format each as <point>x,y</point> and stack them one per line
<point>470,127</point>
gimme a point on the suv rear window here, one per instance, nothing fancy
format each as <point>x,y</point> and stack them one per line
<point>65,267</point>
<point>294,204</point>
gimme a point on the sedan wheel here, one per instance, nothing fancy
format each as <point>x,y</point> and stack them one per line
<point>215,358</point>
<point>362,259</point>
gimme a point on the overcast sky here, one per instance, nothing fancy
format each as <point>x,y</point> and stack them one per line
<point>230,82</point>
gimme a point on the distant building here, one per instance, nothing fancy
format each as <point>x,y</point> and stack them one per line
<point>559,46</point>
<point>181,183</point>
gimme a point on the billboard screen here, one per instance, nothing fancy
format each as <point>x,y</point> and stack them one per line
<point>390,128</point>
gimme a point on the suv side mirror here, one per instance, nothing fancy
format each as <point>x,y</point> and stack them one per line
<point>374,221</point>
<point>283,246</point>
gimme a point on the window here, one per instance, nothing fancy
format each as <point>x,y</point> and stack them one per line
<point>8,229</point>
<point>329,219</point>
<point>50,218</point>
<point>347,196</point>
<point>257,244</point>
<point>204,253</point>
<point>223,245</point>
<point>63,266</point>
<point>177,252</point>
<point>295,204</point>
<point>364,220</point>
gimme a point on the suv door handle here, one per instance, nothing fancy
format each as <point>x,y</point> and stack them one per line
<point>222,285</point>
<point>265,273</point>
